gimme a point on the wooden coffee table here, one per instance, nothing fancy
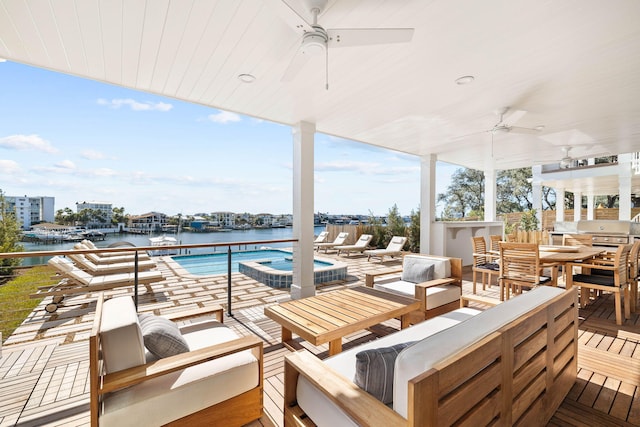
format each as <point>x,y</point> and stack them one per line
<point>330,316</point>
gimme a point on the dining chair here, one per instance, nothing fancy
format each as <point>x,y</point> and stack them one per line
<point>483,263</point>
<point>577,240</point>
<point>593,277</point>
<point>494,244</point>
<point>520,266</point>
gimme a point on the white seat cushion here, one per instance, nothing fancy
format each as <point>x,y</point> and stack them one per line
<point>441,267</point>
<point>436,295</point>
<point>120,335</point>
<point>173,396</point>
<point>322,411</point>
<point>424,354</point>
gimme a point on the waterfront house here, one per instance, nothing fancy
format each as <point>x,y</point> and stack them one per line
<point>488,85</point>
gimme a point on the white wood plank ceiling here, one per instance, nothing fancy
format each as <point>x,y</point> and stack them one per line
<point>572,66</point>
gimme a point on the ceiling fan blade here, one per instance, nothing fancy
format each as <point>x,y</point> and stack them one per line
<point>529,131</point>
<point>513,116</point>
<point>293,17</point>
<point>297,62</point>
<point>348,37</point>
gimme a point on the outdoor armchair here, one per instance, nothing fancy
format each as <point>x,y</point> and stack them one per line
<point>434,280</point>
<point>146,370</point>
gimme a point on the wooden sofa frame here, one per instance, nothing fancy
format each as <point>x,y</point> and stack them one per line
<point>517,375</point>
<point>421,288</point>
<point>236,411</point>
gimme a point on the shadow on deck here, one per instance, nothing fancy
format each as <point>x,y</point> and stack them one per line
<point>44,364</point>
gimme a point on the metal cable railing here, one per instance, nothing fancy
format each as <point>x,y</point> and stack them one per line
<point>19,290</point>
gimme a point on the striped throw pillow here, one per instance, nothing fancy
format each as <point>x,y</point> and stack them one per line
<point>374,370</point>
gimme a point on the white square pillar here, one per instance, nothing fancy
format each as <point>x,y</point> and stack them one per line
<point>490,191</point>
<point>559,204</point>
<point>303,169</point>
<point>427,201</point>
<point>577,205</point>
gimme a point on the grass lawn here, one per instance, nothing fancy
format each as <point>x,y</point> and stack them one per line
<point>15,304</point>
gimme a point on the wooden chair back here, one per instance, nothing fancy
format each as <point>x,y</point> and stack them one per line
<point>479,247</point>
<point>520,263</point>
<point>577,240</point>
<point>495,240</point>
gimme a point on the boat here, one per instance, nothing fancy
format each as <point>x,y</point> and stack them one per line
<point>163,240</point>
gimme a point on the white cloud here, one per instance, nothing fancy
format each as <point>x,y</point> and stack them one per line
<point>27,142</point>
<point>10,167</point>
<point>224,117</point>
<point>93,155</point>
<point>65,164</point>
<point>136,105</point>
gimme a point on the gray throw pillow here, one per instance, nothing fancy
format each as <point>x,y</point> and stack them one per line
<point>161,336</point>
<point>416,270</point>
<point>374,371</point>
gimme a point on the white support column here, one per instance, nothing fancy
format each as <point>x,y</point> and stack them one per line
<point>536,188</point>
<point>577,205</point>
<point>590,211</point>
<point>559,204</point>
<point>303,169</point>
<point>490,191</point>
<point>427,201</point>
<point>624,184</point>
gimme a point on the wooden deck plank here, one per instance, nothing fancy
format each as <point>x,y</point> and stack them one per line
<point>49,376</point>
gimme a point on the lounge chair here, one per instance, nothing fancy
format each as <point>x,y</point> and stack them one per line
<point>322,237</point>
<point>84,263</point>
<point>337,242</point>
<point>77,281</point>
<point>360,246</point>
<point>394,248</point>
<point>109,257</point>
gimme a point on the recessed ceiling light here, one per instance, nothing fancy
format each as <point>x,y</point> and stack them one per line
<point>464,80</point>
<point>247,78</point>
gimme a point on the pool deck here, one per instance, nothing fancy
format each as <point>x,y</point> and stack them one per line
<point>44,364</point>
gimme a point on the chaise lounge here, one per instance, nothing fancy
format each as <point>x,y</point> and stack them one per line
<point>339,240</point>
<point>394,248</point>
<point>360,246</point>
<point>77,281</point>
<point>512,364</point>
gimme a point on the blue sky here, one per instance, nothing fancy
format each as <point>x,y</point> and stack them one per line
<point>81,140</point>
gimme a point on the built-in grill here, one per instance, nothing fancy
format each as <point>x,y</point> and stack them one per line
<point>606,232</point>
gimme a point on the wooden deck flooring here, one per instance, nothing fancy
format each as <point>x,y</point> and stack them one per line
<point>44,366</point>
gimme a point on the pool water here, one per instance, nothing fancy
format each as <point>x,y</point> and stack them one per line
<point>217,263</point>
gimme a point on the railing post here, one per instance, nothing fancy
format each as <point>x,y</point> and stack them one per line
<point>135,280</point>
<point>229,312</point>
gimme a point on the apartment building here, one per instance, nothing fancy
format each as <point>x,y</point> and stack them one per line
<point>31,210</point>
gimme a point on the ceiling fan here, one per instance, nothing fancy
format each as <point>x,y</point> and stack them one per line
<point>567,160</point>
<point>505,124</point>
<point>316,40</point>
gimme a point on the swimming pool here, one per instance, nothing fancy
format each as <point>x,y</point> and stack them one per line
<point>272,267</point>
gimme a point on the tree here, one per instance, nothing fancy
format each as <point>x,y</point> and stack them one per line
<point>413,232</point>
<point>65,217</point>
<point>464,194</point>
<point>118,215</point>
<point>9,237</point>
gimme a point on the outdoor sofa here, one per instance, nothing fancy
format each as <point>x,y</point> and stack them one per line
<point>511,364</point>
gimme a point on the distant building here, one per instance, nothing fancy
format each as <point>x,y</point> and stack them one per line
<point>147,223</point>
<point>106,210</point>
<point>31,210</point>
<point>224,219</point>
